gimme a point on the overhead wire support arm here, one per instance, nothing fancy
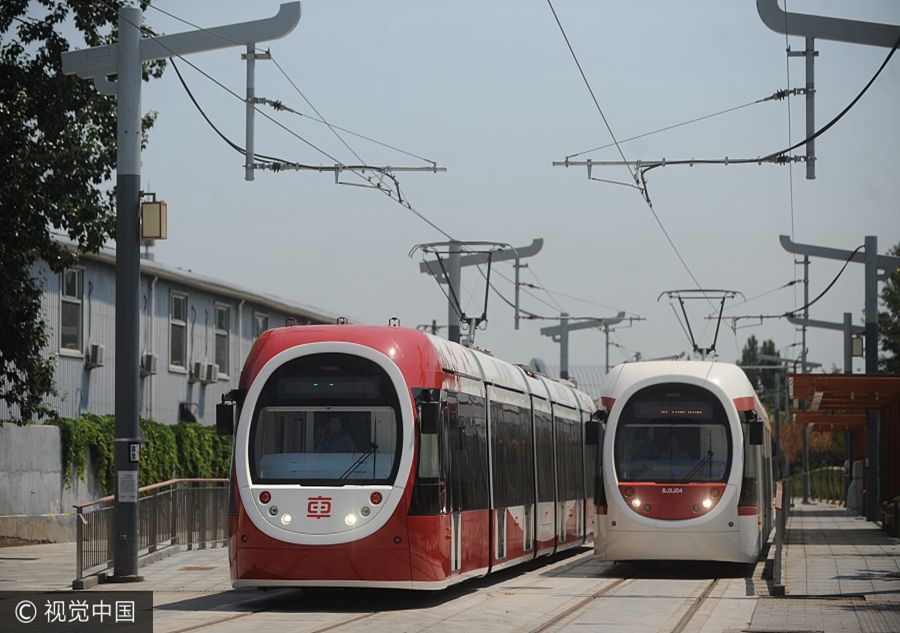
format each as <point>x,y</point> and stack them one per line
<point>477,253</point>
<point>560,334</point>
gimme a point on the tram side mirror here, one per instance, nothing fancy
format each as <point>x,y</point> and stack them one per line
<point>429,414</point>
<point>592,432</point>
<point>756,433</point>
<point>225,418</point>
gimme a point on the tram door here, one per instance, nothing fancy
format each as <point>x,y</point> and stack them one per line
<point>455,462</point>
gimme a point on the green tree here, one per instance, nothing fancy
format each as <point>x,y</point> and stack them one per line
<point>763,379</point>
<point>889,321</point>
<point>57,155</point>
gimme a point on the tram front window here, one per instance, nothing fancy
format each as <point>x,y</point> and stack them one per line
<point>326,419</point>
<point>672,434</point>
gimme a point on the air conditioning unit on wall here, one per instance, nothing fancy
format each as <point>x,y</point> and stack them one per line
<point>198,371</point>
<point>149,364</point>
<point>96,356</point>
<point>212,373</point>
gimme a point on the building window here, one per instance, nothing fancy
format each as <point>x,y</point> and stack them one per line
<point>223,317</point>
<point>178,330</point>
<point>260,323</point>
<point>71,312</point>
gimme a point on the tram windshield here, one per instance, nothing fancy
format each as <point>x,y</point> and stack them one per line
<point>673,433</point>
<point>326,419</point>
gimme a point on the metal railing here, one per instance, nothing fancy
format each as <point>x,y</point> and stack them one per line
<point>783,500</point>
<point>184,513</point>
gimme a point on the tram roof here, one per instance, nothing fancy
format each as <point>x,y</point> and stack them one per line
<point>728,376</point>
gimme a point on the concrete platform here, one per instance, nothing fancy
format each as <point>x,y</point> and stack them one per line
<point>842,573</point>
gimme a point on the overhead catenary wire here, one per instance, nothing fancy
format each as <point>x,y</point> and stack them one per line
<point>780,156</point>
<point>793,282</point>
<point>638,181</point>
<point>777,96</point>
<point>549,294</point>
<point>796,311</point>
<point>589,88</point>
<point>275,166</point>
<point>278,105</point>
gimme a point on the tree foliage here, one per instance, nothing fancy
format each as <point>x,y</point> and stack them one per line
<point>57,155</point>
<point>764,380</point>
<point>889,321</point>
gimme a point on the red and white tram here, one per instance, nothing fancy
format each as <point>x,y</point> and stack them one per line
<point>686,464</point>
<point>370,456</point>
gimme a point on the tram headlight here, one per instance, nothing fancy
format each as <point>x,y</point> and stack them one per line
<point>636,502</point>
<point>286,518</point>
<point>707,503</point>
<point>350,519</point>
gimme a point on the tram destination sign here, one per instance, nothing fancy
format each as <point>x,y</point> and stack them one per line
<point>654,410</point>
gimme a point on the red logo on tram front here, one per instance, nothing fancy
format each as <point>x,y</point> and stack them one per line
<point>318,507</point>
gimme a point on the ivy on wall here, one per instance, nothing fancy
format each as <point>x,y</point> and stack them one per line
<point>182,450</point>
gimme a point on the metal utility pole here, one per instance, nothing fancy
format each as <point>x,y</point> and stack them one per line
<point>803,350</point>
<point>607,329</point>
<point>560,334</point>
<point>452,273</point>
<point>877,268</point>
<point>124,59</point>
<point>814,26</point>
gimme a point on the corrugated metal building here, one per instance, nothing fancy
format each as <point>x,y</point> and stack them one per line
<point>195,334</point>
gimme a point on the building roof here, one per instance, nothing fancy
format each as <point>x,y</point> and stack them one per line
<point>153,268</point>
<point>845,392</point>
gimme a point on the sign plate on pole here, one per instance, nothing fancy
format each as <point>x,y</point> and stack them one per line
<point>128,486</point>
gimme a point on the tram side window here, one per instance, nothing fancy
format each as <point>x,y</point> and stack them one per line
<point>750,481</point>
<point>544,443</point>
<point>513,470</point>
<point>427,498</point>
<point>568,458</point>
<point>474,448</point>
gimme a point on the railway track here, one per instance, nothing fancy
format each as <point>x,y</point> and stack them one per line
<point>559,620</point>
<point>663,604</point>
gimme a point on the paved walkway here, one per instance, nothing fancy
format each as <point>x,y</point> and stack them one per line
<point>842,573</point>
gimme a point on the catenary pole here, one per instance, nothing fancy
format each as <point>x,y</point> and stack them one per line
<point>124,59</point>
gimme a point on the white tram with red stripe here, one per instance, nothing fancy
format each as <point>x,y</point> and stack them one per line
<point>385,457</point>
<point>686,464</point>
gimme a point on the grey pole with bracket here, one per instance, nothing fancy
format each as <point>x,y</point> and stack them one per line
<point>124,59</point>
<point>560,334</point>
<point>456,261</point>
<point>877,268</point>
<point>812,27</point>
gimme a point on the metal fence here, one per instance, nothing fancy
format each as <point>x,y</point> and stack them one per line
<point>184,513</point>
<point>783,500</point>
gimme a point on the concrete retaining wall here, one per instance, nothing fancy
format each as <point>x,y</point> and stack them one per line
<point>35,503</point>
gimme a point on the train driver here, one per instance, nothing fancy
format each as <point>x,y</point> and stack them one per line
<point>333,438</point>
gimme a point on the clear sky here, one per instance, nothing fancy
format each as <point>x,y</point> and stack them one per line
<point>490,91</point>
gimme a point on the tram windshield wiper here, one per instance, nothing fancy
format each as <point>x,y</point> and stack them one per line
<point>359,460</point>
<point>703,462</point>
